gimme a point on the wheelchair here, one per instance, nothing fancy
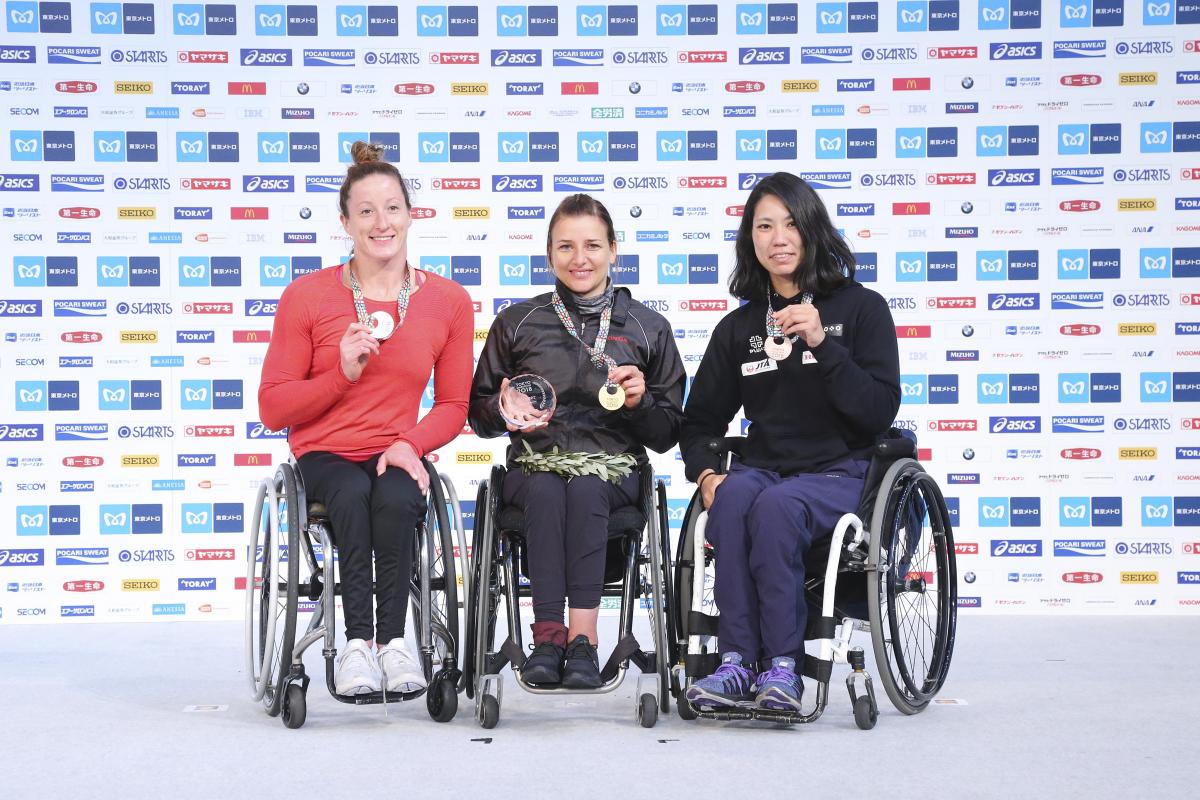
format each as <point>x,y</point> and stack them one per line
<point>887,569</point>
<point>637,566</point>
<point>291,568</point>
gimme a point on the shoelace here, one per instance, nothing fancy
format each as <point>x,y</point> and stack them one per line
<point>779,674</point>
<point>731,675</point>
<point>589,653</point>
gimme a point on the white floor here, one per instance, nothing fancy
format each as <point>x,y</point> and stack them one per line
<point>1064,707</point>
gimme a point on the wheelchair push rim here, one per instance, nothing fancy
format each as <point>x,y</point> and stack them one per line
<point>270,594</point>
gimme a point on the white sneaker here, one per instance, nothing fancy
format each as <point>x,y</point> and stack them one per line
<point>401,670</point>
<point>357,669</point>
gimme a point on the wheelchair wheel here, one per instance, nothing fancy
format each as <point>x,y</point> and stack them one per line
<point>658,545</point>
<point>272,586</point>
<point>441,699</point>
<point>490,712</point>
<point>912,587</point>
<point>470,645</point>
<point>294,708</point>
<point>435,566</point>
<point>486,589</point>
<point>647,712</point>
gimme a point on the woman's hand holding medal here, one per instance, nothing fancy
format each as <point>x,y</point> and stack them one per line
<point>357,346</point>
<point>802,319</point>
<point>632,383</point>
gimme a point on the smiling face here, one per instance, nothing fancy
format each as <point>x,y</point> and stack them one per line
<point>778,244</point>
<point>580,254</point>
<point>377,218</point>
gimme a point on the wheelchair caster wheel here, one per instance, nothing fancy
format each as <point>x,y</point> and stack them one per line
<point>684,707</point>
<point>442,699</point>
<point>864,714</point>
<point>489,711</point>
<point>647,712</point>
<point>294,709</point>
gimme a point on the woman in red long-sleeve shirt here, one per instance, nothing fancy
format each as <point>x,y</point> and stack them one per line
<point>351,353</point>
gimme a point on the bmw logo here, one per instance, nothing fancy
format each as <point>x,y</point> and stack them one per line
<point>969,454</point>
<point>967,207</point>
<point>635,212</point>
<point>968,82</point>
<point>968,330</point>
<point>969,577</point>
<point>635,88</point>
<point>302,88</point>
<point>305,212</point>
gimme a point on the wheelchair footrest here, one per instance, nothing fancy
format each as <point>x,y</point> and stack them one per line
<point>751,712</point>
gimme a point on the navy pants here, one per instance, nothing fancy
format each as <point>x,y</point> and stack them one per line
<point>761,526</point>
<point>368,514</point>
<point>566,535</point>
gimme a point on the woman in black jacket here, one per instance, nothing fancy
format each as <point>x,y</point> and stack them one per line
<point>811,358</point>
<point>619,384</point>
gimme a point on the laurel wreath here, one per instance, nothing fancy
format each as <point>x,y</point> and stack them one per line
<point>611,467</point>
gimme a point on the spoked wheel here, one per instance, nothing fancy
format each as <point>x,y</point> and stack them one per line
<point>658,546</point>
<point>436,566</point>
<point>913,586</point>
<point>272,579</point>
<point>471,644</point>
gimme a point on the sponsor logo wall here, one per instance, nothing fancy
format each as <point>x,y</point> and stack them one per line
<point>1020,179</point>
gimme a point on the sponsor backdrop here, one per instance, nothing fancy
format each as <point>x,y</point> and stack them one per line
<point>1021,180</point>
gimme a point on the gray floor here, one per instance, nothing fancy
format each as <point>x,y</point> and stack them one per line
<point>1047,707</point>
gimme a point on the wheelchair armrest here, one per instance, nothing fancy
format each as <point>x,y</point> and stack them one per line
<point>896,443</point>
<point>726,445</point>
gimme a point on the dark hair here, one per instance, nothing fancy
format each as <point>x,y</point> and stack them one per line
<point>827,262</point>
<point>368,160</point>
<point>581,205</point>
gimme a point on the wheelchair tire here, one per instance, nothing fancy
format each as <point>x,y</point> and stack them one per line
<point>865,716</point>
<point>489,712</point>
<point>684,707</point>
<point>913,594</point>
<point>269,643</point>
<point>470,643</point>
<point>442,583</point>
<point>294,706</point>
<point>658,542</point>
<point>647,710</point>
<point>441,699</point>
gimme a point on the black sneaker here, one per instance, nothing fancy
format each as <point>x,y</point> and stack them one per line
<point>581,670</point>
<point>544,664</point>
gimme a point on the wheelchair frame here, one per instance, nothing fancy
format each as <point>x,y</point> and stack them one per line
<point>282,686</point>
<point>495,565</point>
<point>854,547</point>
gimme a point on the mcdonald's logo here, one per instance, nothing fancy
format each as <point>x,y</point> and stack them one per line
<point>252,459</point>
<point>914,331</point>
<point>247,87</point>
<point>249,212</point>
<point>911,84</point>
<point>580,87</point>
<point>910,209</point>
<point>243,337</point>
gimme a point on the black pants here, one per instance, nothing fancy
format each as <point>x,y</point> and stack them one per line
<point>368,513</point>
<point>566,535</point>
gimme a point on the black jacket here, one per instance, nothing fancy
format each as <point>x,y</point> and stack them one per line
<point>809,411</point>
<point>529,337</point>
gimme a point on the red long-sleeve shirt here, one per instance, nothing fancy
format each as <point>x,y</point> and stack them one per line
<point>304,389</point>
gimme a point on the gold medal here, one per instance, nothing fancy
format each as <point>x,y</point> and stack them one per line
<point>611,396</point>
<point>777,347</point>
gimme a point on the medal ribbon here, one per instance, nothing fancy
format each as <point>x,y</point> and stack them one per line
<point>601,359</point>
<point>774,330</point>
<point>401,301</point>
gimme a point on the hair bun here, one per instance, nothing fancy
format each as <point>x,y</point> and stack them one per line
<point>365,152</point>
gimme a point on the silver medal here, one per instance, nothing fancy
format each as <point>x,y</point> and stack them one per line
<point>381,325</point>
